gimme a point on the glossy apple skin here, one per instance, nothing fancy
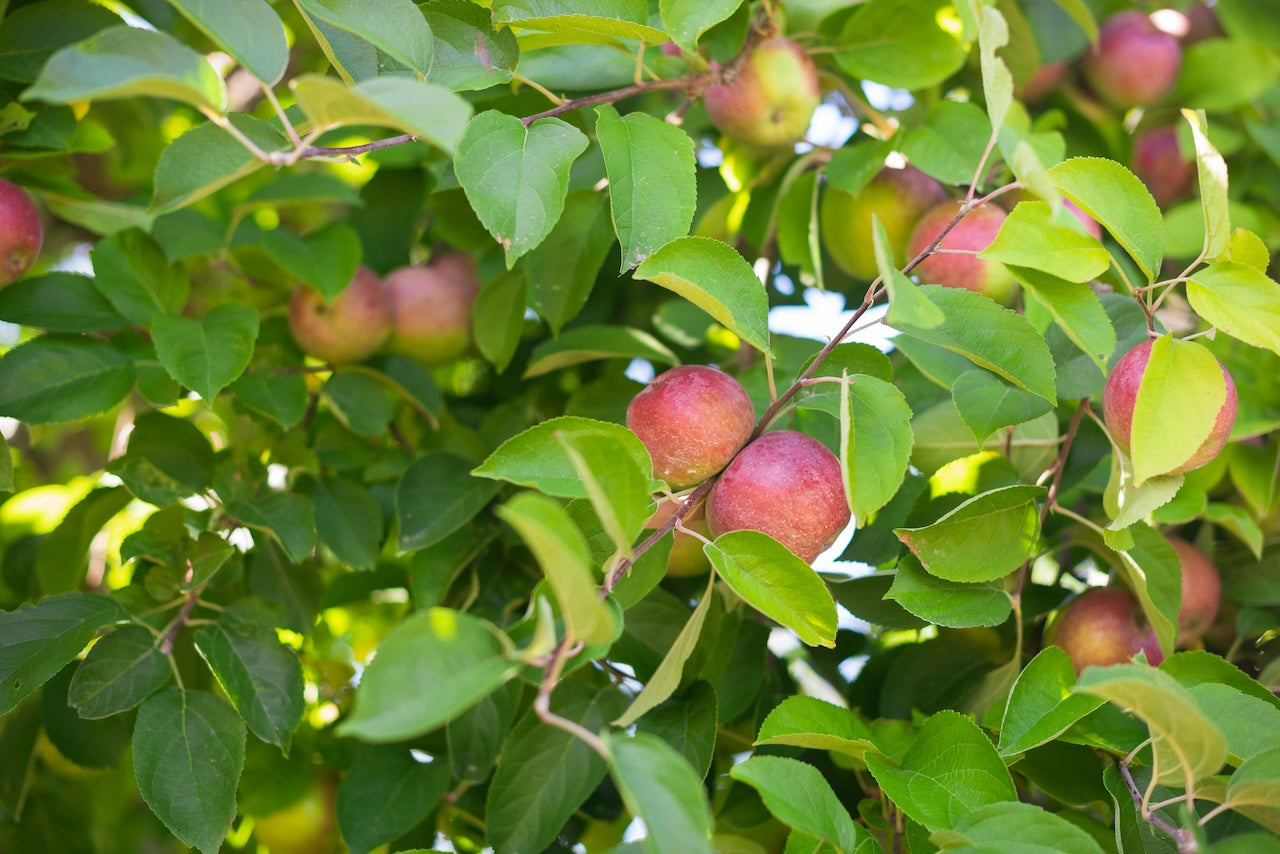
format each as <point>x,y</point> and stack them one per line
<point>1201,591</point>
<point>784,484</point>
<point>1134,64</point>
<point>975,232</point>
<point>1121,393</point>
<point>433,306</point>
<point>898,197</point>
<point>1104,626</point>
<point>21,233</point>
<point>1158,160</point>
<point>352,329</point>
<point>771,100</point>
<point>687,557</point>
<point>692,419</point>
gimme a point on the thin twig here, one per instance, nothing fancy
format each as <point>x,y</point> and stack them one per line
<point>542,703</point>
<point>1185,841</point>
<point>171,632</point>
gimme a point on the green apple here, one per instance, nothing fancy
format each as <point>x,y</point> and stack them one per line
<point>771,99</point>
<point>897,197</point>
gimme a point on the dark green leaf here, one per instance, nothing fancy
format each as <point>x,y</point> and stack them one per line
<point>32,33</point>
<point>987,404</point>
<point>688,724</point>
<point>662,789</point>
<point>249,30</point>
<point>396,27</point>
<point>208,354</point>
<point>207,158</point>
<point>469,52</point>
<point>59,302</point>
<point>436,496</point>
<point>288,517</point>
<point>134,275</point>
<point>326,259</point>
<point>562,270</point>
<point>986,537</point>
<point>348,520</point>
<point>800,797</point>
<point>387,792</point>
<point>948,603</point>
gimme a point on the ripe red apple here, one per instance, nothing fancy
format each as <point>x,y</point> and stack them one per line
<point>1103,626</point>
<point>784,484</point>
<point>772,98</point>
<point>1135,63</point>
<point>692,419</point>
<point>975,232</point>
<point>432,305</point>
<point>1201,591</point>
<point>1090,224</point>
<point>351,329</point>
<point>898,197</point>
<point>1158,160</point>
<point>1121,394</point>
<point>20,232</point>
<point>687,557</point>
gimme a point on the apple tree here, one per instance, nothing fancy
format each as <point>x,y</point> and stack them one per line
<point>338,512</point>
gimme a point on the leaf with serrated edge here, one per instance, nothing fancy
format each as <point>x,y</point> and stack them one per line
<point>1121,204</point>
<point>208,354</point>
<point>1031,236</point>
<point>800,797</point>
<point>429,112</point>
<point>1041,706</point>
<point>662,789</point>
<point>809,722</point>
<point>1178,400</point>
<point>986,537</point>
<point>249,30</point>
<point>1240,300</point>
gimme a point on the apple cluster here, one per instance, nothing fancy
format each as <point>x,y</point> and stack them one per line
<point>21,233</point>
<point>422,311</point>
<point>697,422</point>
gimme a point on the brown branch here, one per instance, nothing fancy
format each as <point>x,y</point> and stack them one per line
<point>1185,841</point>
<point>1051,497</point>
<point>353,150</point>
<point>171,632</point>
<point>542,702</point>
<point>687,506</point>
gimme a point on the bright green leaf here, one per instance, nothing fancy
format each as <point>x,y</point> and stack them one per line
<point>1121,204</point>
<point>1041,706</point>
<point>628,19</point>
<point>1240,300</point>
<point>595,342</point>
<point>1032,237</point>
<point>662,789</point>
<point>426,111</point>
<point>249,30</point>
<point>396,27</point>
<point>206,355</point>
<point>948,603</point>
<point>800,797</point>
<point>986,537</point>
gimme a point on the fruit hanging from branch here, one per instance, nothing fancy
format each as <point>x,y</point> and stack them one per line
<point>771,100</point>
<point>351,328</point>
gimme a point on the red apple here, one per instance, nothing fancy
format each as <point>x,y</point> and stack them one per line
<point>1201,591</point>
<point>432,305</point>
<point>1090,224</point>
<point>1121,394</point>
<point>351,329</point>
<point>692,419</point>
<point>1158,160</point>
<point>897,197</point>
<point>787,485</point>
<point>975,232</point>
<point>1135,63</point>
<point>21,233</point>
<point>771,100</point>
<point>1103,626</point>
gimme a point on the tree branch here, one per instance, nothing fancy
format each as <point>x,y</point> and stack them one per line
<point>1185,841</point>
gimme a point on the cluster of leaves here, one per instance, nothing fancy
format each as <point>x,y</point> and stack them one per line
<point>236,529</point>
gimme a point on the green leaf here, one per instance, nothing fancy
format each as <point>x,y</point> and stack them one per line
<point>652,192</point>
<point>64,555</point>
<point>808,722</point>
<point>498,318</point>
<point>875,444</point>
<point>713,276</point>
<point>1133,504</point>
<point>991,337</point>
<point>57,378</point>
<point>687,723</point>
<point>800,797</point>
<point>207,158</point>
<point>208,354</point>
<point>348,521</point>
<point>326,259</point>
<point>387,793</point>
<point>261,676</point>
<point>188,752</point>
<point>619,490</point>
<point>1250,725</point>
<point>1225,74</point>
<point>997,81</point>
<point>627,19</point>
<point>426,111</point>
<point>536,459</point>
<point>119,672</point>
<point>907,305</point>
<point>900,43</point>
<point>776,583</point>
<point>249,30</point>
<point>687,20</point>
<point>127,62</point>
<point>515,177</point>
<point>280,397</point>
<point>948,603</point>
<point>950,770</point>
<point>475,738</point>
<point>1154,573</point>
<point>1041,706</point>
<point>1240,300</point>
<point>1024,828</point>
<point>396,27</point>
<point>36,641</point>
<point>462,658</point>
<point>469,52</point>
<point>666,679</point>
<point>30,34</point>
<point>60,302</point>
<point>1178,400</point>
<point>659,787</point>
<point>1256,781</point>
<point>134,275</point>
<point>436,497</point>
<point>6,468</point>
<point>950,143</point>
<point>1031,236</point>
<point>545,773</point>
<point>562,269</point>
<point>1121,204</point>
<point>360,402</point>
<point>986,537</point>
<point>987,404</point>
<point>562,553</point>
<point>1211,170</point>
<point>1076,308</point>
<point>288,517</point>
<point>594,342</point>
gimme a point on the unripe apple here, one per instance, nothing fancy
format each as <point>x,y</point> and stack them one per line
<point>772,98</point>
<point>898,197</point>
<point>1158,160</point>
<point>975,232</point>
<point>687,557</point>
<point>306,826</point>
<point>692,419</point>
<point>787,485</point>
<point>1121,394</point>
<point>432,305</point>
<point>351,329</point>
<point>1134,64</point>
<point>1201,591</point>
<point>1103,626</point>
<point>20,233</point>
